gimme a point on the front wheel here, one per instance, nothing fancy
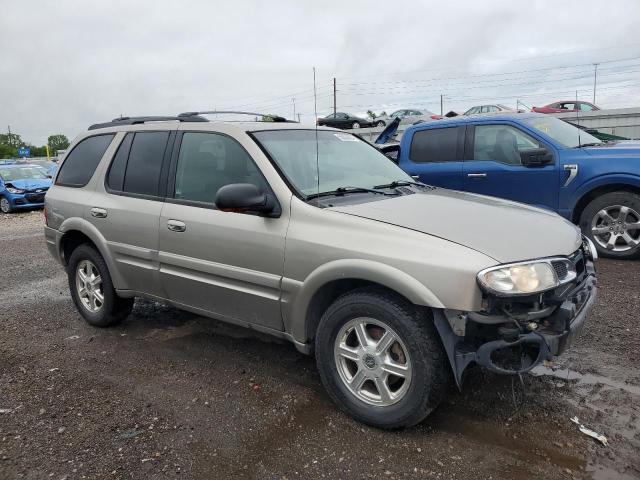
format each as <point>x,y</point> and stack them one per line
<point>5,206</point>
<point>612,222</point>
<point>380,359</point>
<point>92,289</point>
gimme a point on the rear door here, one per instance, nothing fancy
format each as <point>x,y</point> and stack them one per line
<point>493,166</point>
<point>128,212</point>
<point>223,263</point>
<point>436,156</point>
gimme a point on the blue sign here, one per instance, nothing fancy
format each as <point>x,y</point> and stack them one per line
<point>24,152</point>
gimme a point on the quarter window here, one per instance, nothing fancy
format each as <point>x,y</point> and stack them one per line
<point>142,175</point>
<point>209,161</point>
<point>501,143</point>
<point>435,145</point>
<point>79,166</point>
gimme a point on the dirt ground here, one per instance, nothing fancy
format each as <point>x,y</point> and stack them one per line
<point>171,395</point>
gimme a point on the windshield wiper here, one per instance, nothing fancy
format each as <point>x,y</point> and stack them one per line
<point>346,190</point>
<point>404,183</point>
<point>593,144</point>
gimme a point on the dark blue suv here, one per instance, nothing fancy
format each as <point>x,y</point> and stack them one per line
<point>540,160</point>
<point>22,186</point>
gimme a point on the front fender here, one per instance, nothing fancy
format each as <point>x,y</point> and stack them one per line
<point>297,295</point>
<point>600,181</point>
<point>83,226</point>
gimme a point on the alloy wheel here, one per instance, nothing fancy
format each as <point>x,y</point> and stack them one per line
<point>89,286</point>
<point>4,205</point>
<point>372,361</point>
<point>355,125</point>
<point>616,228</point>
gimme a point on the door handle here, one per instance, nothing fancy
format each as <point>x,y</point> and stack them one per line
<point>98,212</point>
<point>176,226</point>
<point>476,175</point>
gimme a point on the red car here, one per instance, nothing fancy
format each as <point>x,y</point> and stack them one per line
<point>566,106</point>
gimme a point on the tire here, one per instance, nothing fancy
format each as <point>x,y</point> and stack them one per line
<point>5,206</point>
<point>355,125</point>
<point>429,373</point>
<point>380,124</point>
<point>607,219</point>
<point>113,308</point>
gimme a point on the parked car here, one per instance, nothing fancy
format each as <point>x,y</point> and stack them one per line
<point>566,106</point>
<point>605,137</point>
<point>539,160</point>
<point>22,186</point>
<point>344,121</point>
<point>317,238</point>
<point>407,116</point>
<point>497,108</point>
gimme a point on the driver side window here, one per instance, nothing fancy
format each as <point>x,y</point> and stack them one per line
<point>501,143</point>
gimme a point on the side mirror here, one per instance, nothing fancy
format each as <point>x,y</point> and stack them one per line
<point>246,198</point>
<point>538,157</point>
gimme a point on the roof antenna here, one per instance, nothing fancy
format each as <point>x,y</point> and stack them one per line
<point>578,119</point>
<point>315,112</point>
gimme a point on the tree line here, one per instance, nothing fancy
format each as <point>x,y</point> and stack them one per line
<point>10,142</point>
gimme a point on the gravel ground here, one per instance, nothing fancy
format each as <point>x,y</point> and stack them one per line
<point>168,394</point>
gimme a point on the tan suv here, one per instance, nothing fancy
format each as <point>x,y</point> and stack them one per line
<point>314,236</point>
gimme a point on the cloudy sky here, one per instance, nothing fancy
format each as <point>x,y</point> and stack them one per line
<point>67,64</point>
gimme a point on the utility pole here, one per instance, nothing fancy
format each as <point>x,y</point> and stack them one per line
<point>9,136</point>
<point>298,118</point>
<point>441,109</point>
<point>334,95</point>
<point>294,108</point>
<point>595,77</point>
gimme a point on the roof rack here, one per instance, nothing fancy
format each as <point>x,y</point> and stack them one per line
<point>274,118</point>
<point>139,120</point>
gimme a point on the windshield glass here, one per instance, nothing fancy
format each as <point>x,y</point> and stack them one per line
<point>563,133</point>
<point>343,160</point>
<point>22,173</point>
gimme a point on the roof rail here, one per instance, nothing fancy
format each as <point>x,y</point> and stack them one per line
<point>139,120</point>
<point>274,118</point>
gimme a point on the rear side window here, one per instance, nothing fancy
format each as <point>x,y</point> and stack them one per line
<point>435,145</point>
<point>115,177</point>
<point>142,174</point>
<point>80,164</point>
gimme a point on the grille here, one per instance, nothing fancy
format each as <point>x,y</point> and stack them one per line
<point>35,197</point>
<point>561,269</point>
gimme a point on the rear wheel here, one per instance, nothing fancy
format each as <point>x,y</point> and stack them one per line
<point>92,289</point>
<point>380,124</point>
<point>355,125</point>
<point>380,359</point>
<point>5,206</point>
<point>612,222</point>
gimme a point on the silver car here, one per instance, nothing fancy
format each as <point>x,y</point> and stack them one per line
<point>407,117</point>
<point>496,108</point>
<point>313,236</point>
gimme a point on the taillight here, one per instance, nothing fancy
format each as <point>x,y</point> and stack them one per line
<point>46,216</point>
<point>436,117</point>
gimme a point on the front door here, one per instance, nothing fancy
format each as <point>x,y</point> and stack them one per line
<point>224,263</point>
<point>494,167</point>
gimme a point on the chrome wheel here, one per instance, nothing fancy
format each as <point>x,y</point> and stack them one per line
<point>355,125</point>
<point>616,228</point>
<point>5,207</point>
<point>89,286</point>
<point>372,361</point>
<point>380,124</point>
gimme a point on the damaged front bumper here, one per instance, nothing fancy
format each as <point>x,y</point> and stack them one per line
<point>513,337</point>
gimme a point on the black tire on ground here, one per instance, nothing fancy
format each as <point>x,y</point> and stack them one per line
<point>431,372</point>
<point>608,200</point>
<point>5,206</point>
<point>115,309</point>
<point>380,124</point>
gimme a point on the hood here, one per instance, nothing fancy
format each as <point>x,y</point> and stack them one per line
<point>30,184</point>
<point>623,148</point>
<point>505,231</point>
<point>388,133</point>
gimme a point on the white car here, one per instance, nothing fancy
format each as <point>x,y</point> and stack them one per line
<point>407,117</point>
<point>497,108</point>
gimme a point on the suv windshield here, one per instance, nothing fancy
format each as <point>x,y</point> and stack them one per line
<point>22,173</point>
<point>343,160</point>
<point>563,133</point>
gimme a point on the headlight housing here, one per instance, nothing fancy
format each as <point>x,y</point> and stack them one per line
<point>527,278</point>
<point>14,190</point>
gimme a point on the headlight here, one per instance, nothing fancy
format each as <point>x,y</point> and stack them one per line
<point>527,277</point>
<point>14,190</point>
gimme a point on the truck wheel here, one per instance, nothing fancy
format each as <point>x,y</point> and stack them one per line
<point>5,206</point>
<point>612,222</point>
<point>380,359</point>
<point>92,289</point>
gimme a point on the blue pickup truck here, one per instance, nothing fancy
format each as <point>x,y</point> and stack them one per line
<point>536,159</point>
